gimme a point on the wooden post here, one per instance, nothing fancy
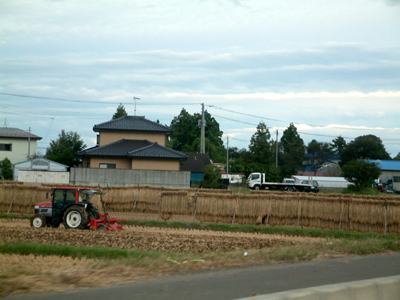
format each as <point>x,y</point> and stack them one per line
<point>234,212</point>
<point>341,213</point>
<point>195,207</point>
<point>269,210</point>
<point>30,205</point>
<point>134,205</point>
<point>298,210</point>
<point>159,207</point>
<point>10,205</point>
<point>385,216</point>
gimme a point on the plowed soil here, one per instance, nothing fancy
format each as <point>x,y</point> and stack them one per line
<point>154,239</point>
<point>25,274</point>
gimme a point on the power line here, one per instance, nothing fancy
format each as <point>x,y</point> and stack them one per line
<point>91,101</point>
<point>282,121</point>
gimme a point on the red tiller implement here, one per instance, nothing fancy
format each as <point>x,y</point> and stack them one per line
<point>103,223</point>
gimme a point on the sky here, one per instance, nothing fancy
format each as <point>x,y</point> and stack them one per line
<point>330,67</point>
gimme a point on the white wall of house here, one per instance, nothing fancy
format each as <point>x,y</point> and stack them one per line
<point>388,174</point>
<point>19,149</point>
<point>43,176</point>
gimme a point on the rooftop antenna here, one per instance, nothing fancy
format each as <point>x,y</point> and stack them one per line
<point>5,122</point>
<point>135,98</point>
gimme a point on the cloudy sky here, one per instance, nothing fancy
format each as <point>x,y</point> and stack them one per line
<point>330,67</point>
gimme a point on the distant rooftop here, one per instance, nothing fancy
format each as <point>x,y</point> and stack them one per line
<point>7,132</point>
<point>195,162</point>
<point>133,148</point>
<point>131,123</point>
<point>387,165</point>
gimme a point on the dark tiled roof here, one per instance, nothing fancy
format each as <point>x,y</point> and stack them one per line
<point>195,162</point>
<point>157,151</point>
<point>131,123</point>
<point>133,148</point>
<point>6,132</point>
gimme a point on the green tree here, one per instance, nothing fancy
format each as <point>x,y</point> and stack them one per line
<point>361,172</point>
<point>64,149</point>
<point>366,146</point>
<point>338,145</point>
<point>397,157</point>
<point>211,178</point>
<point>261,150</point>
<point>292,152</point>
<point>317,153</point>
<point>6,171</point>
<point>121,112</point>
<point>186,133</point>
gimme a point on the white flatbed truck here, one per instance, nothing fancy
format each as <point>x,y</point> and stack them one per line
<point>256,181</point>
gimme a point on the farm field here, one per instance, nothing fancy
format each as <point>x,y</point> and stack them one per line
<point>158,252</point>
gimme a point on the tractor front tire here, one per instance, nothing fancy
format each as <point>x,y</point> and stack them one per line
<point>38,221</point>
<point>75,217</point>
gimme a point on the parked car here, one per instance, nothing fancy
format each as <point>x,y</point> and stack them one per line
<point>314,183</point>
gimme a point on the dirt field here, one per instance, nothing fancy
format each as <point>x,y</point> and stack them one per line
<point>30,274</point>
<point>154,239</point>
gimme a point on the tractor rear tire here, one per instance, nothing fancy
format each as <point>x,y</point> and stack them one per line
<point>92,214</point>
<point>75,217</point>
<point>38,221</point>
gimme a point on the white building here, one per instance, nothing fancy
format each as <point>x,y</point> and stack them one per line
<point>40,170</point>
<point>16,144</point>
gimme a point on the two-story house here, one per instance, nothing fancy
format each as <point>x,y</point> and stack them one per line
<point>17,144</point>
<point>131,142</point>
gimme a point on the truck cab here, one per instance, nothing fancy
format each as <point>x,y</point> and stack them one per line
<point>254,181</point>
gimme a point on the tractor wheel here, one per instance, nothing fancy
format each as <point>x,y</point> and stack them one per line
<point>38,221</point>
<point>92,214</point>
<point>75,217</point>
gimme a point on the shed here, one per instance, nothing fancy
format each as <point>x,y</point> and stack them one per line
<point>38,164</point>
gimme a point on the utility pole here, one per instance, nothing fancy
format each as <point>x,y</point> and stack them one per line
<point>276,158</point>
<point>227,156</point>
<point>29,144</point>
<point>134,98</point>
<point>203,131</point>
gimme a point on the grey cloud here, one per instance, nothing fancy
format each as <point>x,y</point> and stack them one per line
<point>393,2</point>
<point>329,68</point>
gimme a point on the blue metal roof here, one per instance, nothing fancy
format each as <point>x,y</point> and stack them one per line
<point>387,165</point>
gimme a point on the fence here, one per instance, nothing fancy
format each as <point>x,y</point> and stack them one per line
<point>331,211</point>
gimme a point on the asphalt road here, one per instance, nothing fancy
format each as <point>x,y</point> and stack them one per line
<point>239,283</point>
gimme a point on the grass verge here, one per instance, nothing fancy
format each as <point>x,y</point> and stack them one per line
<point>76,252</point>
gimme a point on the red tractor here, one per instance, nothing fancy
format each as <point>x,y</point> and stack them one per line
<point>71,206</point>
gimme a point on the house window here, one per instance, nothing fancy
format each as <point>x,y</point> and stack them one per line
<point>88,165</point>
<point>98,139</point>
<point>107,166</point>
<point>5,147</point>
